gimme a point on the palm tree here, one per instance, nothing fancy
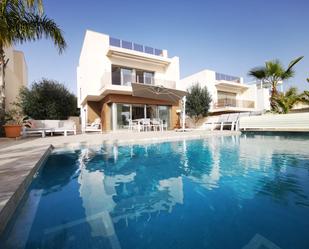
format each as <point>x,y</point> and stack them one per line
<point>272,73</point>
<point>305,97</point>
<point>284,102</point>
<point>22,21</point>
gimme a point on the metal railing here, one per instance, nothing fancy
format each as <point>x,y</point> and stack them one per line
<point>126,80</point>
<point>229,102</point>
<point>134,46</point>
<point>221,76</point>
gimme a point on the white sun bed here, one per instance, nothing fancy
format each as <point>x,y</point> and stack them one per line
<point>95,126</point>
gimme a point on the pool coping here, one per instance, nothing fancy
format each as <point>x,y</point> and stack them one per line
<point>15,195</point>
<point>8,208</point>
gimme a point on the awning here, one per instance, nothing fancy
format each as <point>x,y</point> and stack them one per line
<point>157,92</point>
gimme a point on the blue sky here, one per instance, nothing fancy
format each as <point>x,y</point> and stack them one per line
<point>228,36</point>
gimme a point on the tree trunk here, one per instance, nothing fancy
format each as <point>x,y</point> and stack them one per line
<point>274,93</point>
<point>2,88</point>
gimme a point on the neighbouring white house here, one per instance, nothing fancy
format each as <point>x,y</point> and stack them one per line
<point>16,75</point>
<point>107,71</point>
<point>229,93</point>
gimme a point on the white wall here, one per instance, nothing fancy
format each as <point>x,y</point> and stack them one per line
<point>93,65</point>
<point>16,75</point>
<point>263,97</point>
<point>249,94</point>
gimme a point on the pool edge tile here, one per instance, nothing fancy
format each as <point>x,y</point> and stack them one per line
<point>9,208</point>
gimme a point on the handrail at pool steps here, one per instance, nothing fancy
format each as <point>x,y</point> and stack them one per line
<point>298,122</point>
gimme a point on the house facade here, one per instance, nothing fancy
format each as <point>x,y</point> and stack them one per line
<point>107,69</point>
<point>229,93</point>
<point>16,75</point>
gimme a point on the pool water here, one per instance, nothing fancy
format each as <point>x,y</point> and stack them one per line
<point>249,192</point>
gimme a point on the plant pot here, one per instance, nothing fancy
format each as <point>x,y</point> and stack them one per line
<point>12,131</point>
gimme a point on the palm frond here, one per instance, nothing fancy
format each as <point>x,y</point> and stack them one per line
<point>19,24</point>
<point>258,73</point>
<point>305,97</point>
<point>284,102</point>
<point>274,68</point>
<point>294,62</point>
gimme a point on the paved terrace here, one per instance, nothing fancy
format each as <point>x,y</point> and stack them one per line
<point>20,159</point>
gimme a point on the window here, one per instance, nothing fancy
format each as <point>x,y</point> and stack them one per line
<point>122,76</point>
<point>226,99</point>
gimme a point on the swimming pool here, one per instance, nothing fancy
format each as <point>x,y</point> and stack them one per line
<point>219,193</point>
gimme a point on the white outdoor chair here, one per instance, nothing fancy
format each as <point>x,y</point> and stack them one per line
<point>156,124</point>
<point>134,125</point>
<point>146,125</point>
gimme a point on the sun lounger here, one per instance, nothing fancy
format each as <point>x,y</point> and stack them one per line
<point>221,121</point>
<point>95,126</point>
<point>231,121</point>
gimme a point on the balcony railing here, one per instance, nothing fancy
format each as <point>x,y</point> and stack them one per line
<point>134,46</point>
<point>221,76</point>
<point>127,79</point>
<point>229,102</point>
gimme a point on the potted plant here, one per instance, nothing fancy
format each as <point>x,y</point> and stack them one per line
<point>14,119</point>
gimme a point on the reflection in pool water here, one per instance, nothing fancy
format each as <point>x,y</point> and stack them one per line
<point>221,192</point>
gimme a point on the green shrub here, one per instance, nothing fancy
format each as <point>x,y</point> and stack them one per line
<point>198,102</point>
<point>48,99</point>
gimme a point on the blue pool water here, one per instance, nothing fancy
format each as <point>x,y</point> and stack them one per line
<point>219,193</point>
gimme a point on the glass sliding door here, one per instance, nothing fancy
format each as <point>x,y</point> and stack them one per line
<point>226,99</point>
<point>126,76</point>
<point>164,114</point>
<point>123,116</point>
<point>144,77</point>
<point>139,76</point>
<point>152,111</point>
<point>116,75</point>
<point>138,111</point>
<point>148,78</point>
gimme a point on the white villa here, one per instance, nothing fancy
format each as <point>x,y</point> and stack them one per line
<point>107,69</point>
<point>229,93</point>
<point>117,82</point>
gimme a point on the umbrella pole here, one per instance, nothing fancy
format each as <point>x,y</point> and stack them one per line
<point>184,99</point>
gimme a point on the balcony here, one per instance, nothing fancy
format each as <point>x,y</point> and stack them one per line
<point>125,80</point>
<point>233,103</point>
